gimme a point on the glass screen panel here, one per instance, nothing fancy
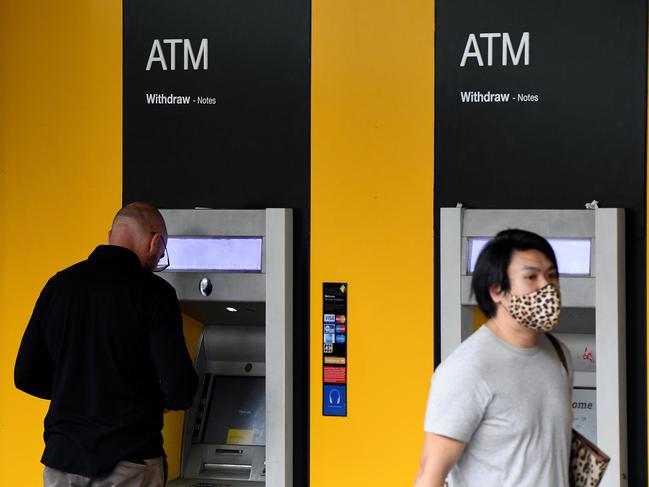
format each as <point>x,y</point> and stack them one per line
<point>218,254</point>
<point>573,254</point>
<point>236,411</point>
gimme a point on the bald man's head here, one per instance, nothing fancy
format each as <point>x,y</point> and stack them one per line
<point>140,227</point>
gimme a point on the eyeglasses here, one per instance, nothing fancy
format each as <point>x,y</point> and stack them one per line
<point>163,263</point>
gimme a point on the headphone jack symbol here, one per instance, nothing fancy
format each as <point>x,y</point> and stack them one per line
<point>334,396</point>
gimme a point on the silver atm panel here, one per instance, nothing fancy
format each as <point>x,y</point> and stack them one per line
<point>593,307</point>
<point>244,359</point>
<point>225,431</point>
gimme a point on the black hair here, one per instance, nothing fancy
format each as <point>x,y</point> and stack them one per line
<point>493,262</point>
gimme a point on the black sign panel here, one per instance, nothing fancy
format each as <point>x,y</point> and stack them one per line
<point>216,96</point>
<point>542,104</point>
<point>334,352</point>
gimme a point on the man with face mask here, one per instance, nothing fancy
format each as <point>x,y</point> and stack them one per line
<point>499,409</point>
<point>105,345</point>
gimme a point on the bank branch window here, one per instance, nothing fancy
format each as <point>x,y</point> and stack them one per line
<point>573,254</point>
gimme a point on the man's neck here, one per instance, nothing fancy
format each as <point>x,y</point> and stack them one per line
<point>508,329</point>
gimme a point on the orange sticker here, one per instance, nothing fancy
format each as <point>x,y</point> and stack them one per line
<point>335,360</point>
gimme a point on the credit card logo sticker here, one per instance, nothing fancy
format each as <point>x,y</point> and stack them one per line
<point>330,328</point>
<point>329,338</point>
<point>341,319</point>
<point>328,348</point>
<point>341,328</point>
<point>340,339</point>
<point>329,318</point>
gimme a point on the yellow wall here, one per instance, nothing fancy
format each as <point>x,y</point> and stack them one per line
<point>60,176</point>
<point>60,183</point>
<point>371,226</point>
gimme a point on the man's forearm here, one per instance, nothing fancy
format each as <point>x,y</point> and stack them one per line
<point>438,456</point>
<point>429,478</point>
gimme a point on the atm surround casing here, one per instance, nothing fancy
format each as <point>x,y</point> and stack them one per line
<point>593,306</point>
<point>256,341</point>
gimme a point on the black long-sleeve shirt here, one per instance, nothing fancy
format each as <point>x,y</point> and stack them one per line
<point>105,344</point>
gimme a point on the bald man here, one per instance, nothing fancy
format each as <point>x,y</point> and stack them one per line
<point>105,346</point>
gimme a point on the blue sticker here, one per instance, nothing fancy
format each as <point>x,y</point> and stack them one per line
<point>328,328</point>
<point>334,400</point>
<point>330,318</point>
<point>341,328</point>
<point>329,338</point>
<point>340,338</point>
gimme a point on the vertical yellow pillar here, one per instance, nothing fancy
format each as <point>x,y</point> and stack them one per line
<point>60,177</point>
<point>372,226</point>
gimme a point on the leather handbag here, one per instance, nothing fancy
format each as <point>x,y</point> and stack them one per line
<point>587,462</point>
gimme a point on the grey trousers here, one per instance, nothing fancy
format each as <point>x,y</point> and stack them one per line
<point>125,474</point>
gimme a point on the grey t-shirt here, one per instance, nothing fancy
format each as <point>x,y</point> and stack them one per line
<point>511,406</point>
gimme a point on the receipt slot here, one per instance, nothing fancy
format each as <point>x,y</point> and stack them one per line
<point>232,271</point>
<point>589,245</point>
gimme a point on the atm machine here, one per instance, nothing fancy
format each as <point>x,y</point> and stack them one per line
<point>589,246</point>
<point>232,271</point>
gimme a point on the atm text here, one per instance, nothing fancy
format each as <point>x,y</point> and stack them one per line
<point>489,97</point>
<point>157,55</point>
<point>473,51</point>
<point>171,99</point>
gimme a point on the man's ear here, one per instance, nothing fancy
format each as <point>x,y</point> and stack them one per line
<point>496,293</point>
<point>152,243</point>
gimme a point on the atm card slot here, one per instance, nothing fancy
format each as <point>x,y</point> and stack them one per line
<point>228,451</point>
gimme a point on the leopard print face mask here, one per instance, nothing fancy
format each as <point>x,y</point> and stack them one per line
<point>538,310</point>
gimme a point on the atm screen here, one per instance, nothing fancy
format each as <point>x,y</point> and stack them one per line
<point>236,414</point>
<point>573,254</point>
<point>214,254</point>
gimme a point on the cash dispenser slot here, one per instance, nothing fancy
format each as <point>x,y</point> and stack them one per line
<point>228,470</point>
